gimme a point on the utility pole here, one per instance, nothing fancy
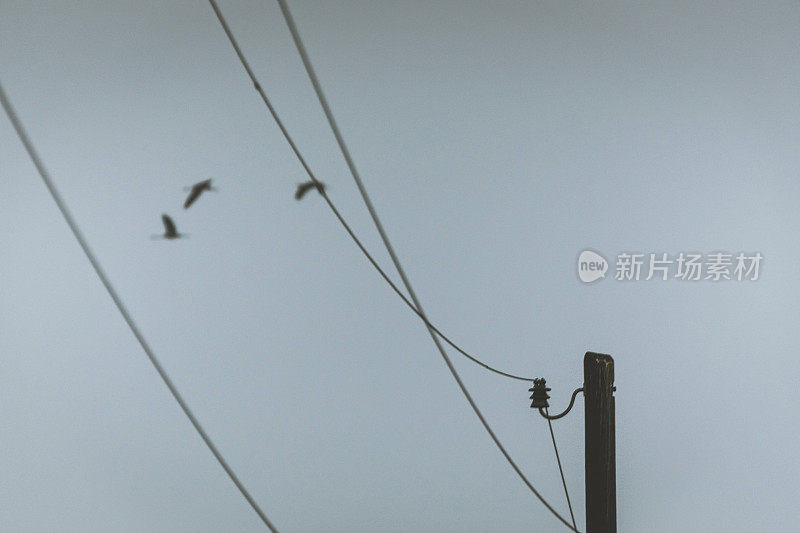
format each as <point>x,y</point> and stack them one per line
<point>601,477</point>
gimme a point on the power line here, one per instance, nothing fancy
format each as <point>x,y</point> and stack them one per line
<point>62,206</point>
<point>560,470</point>
<point>417,305</point>
<point>383,274</point>
<point>333,208</point>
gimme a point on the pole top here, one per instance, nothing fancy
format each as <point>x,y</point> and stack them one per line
<point>598,358</point>
<point>598,373</point>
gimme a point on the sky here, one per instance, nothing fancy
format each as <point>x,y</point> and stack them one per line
<point>497,141</point>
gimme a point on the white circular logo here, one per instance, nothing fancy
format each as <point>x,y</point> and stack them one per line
<point>591,266</point>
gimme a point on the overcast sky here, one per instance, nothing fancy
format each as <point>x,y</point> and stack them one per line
<point>498,140</point>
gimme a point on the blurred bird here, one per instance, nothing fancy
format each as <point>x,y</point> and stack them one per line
<point>304,187</point>
<point>169,230</point>
<point>196,190</point>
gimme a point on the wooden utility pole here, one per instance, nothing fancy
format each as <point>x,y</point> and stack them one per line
<point>601,477</point>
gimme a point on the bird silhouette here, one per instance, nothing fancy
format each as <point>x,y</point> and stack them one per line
<point>170,232</point>
<point>306,186</point>
<point>196,190</point>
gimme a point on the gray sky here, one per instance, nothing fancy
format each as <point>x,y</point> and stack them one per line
<point>497,141</point>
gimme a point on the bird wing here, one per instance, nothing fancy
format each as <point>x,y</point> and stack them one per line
<point>302,189</point>
<point>197,190</point>
<point>169,225</point>
<point>205,184</point>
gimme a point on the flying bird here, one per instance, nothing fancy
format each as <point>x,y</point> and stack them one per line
<point>304,187</point>
<point>170,232</point>
<point>196,190</point>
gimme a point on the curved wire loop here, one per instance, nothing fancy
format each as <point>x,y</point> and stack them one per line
<point>569,407</point>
